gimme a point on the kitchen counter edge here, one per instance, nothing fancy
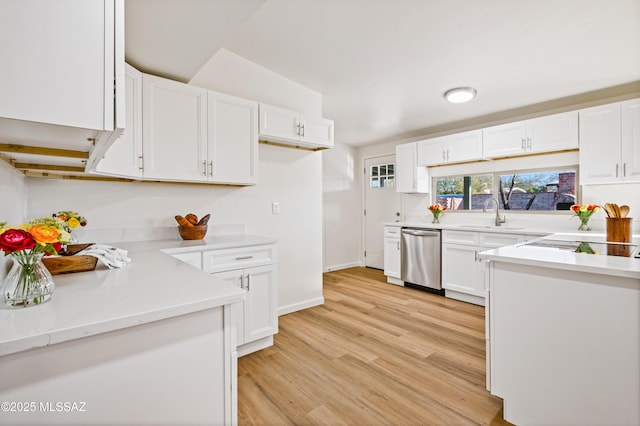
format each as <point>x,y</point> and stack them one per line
<point>154,286</point>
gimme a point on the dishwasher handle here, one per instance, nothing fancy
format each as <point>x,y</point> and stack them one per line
<point>421,232</point>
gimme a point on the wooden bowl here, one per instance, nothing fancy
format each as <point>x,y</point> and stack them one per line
<point>195,232</point>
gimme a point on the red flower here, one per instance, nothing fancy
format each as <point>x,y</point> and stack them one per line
<point>575,207</point>
<point>16,239</point>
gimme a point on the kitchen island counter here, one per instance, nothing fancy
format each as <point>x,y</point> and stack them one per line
<point>563,331</point>
<point>562,258</point>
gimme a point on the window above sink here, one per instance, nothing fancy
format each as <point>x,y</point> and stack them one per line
<point>523,190</point>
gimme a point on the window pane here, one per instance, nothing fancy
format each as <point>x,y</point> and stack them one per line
<point>383,182</point>
<point>464,192</point>
<point>374,170</point>
<point>375,183</point>
<point>383,170</point>
<point>553,190</point>
<point>390,169</point>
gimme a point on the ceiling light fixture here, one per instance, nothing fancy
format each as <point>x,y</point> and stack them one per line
<point>460,94</point>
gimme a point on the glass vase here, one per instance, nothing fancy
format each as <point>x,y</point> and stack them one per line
<point>28,282</point>
<point>584,220</point>
<point>436,217</point>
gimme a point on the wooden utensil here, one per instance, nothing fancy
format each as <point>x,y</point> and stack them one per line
<point>609,210</point>
<point>624,210</point>
<point>616,209</point>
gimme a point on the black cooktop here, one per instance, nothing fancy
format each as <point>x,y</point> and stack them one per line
<point>607,248</point>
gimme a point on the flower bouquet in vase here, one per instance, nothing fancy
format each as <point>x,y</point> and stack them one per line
<point>436,210</point>
<point>28,282</point>
<point>584,212</point>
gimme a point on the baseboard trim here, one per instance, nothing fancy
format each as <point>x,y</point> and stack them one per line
<point>283,310</point>
<point>343,266</point>
<point>476,300</point>
<point>254,346</point>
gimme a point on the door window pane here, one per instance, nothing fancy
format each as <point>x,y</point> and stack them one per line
<point>382,176</point>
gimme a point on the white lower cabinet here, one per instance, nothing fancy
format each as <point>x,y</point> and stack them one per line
<point>462,271</point>
<point>255,318</point>
<point>254,269</point>
<point>392,260</point>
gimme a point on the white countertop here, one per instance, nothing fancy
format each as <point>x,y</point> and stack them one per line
<point>154,286</point>
<point>504,229</point>
<point>558,258</point>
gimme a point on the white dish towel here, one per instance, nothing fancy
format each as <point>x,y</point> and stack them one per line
<point>112,257</point>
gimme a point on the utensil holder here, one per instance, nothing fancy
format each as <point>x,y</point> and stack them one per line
<point>619,229</point>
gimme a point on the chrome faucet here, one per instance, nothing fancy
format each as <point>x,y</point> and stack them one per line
<point>499,220</point>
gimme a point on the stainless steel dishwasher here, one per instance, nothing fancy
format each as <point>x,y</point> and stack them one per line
<point>420,255</point>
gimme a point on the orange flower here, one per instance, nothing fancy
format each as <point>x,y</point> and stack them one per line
<point>44,234</point>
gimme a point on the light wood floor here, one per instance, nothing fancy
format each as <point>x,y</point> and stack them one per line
<point>373,354</point>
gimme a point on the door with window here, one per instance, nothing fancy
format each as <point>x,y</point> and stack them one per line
<point>382,204</point>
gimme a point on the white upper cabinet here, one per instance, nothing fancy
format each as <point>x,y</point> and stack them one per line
<point>178,132</point>
<point>456,148</point>
<point>410,178</point>
<point>124,157</point>
<point>174,123</point>
<point>60,62</point>
<point>233,139</point>
<point>288,127</point>
<point>610,143</point>
<point>557,132</point>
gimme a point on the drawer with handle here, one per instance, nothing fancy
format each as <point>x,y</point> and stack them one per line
<point>238,258</point>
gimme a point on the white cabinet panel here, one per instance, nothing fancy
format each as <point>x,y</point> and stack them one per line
<point>410,177</point>
<point>610,143</point>
<point>557,132</point>
<point>124,156</point>
<point>461,271</point>
<point>456,148</point>
<point>56,69</point>
<point>261,319</point>
<point>392,253</point>
<point>432,151</point>
<point>232,149</point>
<point>288,127</point>
<point>174,130</point>
<point>463,274</point>
<point>236,278</point>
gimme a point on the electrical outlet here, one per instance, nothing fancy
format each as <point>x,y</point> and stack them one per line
<point>275,208</point>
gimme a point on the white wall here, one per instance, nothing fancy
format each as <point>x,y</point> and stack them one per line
<point>342,184</point>
<point>230,73</point>
<point>13,193</point>
<point>289,176</point>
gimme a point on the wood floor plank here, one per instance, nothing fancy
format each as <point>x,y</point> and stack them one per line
<point>373,354</point>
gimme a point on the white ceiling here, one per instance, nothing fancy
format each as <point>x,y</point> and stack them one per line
<point>383,65</point>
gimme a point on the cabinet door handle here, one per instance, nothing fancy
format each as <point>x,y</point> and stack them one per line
<point>141,167</point>
<point>298,131</point>
<point>523,143</point>
<point>398,245</point>
<point>617,167</point>
<point>624,169</point>
<point>302,128</point>
<point>244,257</point>
<point>204,168</point>
<point>211,168</point>
<point>248,282</point>
<point>529,143</point>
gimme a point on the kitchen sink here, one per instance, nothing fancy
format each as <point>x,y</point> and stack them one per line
<point>510,228</point>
